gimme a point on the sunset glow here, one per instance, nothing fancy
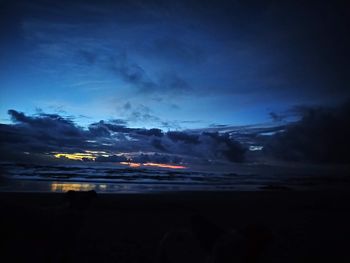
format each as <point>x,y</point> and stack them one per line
<point>81,156</point>
<point>162,165</point>
<point>76,156</point>
<point>92,155</point>
<point>131,164</point>
<point>159,165</point>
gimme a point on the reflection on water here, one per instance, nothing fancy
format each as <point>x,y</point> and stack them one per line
<point>64,187</point>
<point>118,188</point>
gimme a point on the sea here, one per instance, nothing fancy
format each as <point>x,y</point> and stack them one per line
<point>109,178</point>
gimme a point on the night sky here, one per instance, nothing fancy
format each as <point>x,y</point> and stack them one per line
<point>180,82</point>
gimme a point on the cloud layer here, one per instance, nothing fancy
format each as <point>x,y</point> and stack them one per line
<point>48,134</point>
<point>321,135</point>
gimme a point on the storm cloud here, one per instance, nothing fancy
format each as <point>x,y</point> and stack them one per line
<point>321,136</point>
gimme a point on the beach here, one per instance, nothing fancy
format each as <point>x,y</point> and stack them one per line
<point>292,226</point>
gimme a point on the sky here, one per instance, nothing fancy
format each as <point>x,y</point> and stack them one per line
<point>187,81</point>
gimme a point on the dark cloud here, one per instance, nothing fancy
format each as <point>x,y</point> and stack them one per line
<point>103,128</point>
<point>157,158</point>
<point>113,158</point>
<point>177,136</point>
<point>157,144</point>
<point>206,145</point>
<point>134,74</point>
<point>224,146</point>
<point>151,132</point>
<point>58,124</point>
<point>141,158</point>
<point>42,134</point>
<point>116,127</point>
<point>244,133</point>
<point>99,129</point>
<point>44,120</point>
<point>46,134</point>
<point>321,136</point>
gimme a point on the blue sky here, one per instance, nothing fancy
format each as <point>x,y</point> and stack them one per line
<point>184,63</point>
<point>172,65</point>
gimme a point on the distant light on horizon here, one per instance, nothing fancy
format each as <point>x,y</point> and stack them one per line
<point>131,164</point>
<point>160,165</point>
<point>76,156</point>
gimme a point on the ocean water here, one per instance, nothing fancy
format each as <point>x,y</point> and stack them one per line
<point>111,179</point>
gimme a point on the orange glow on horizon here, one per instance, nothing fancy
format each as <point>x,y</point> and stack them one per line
<point>160,165</point>
<point>131,164</point>
<point>92,155</point>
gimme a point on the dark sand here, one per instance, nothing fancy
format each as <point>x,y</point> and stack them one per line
<point>296,226</point>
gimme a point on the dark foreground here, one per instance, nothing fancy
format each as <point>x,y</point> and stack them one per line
<point>270,226</point>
